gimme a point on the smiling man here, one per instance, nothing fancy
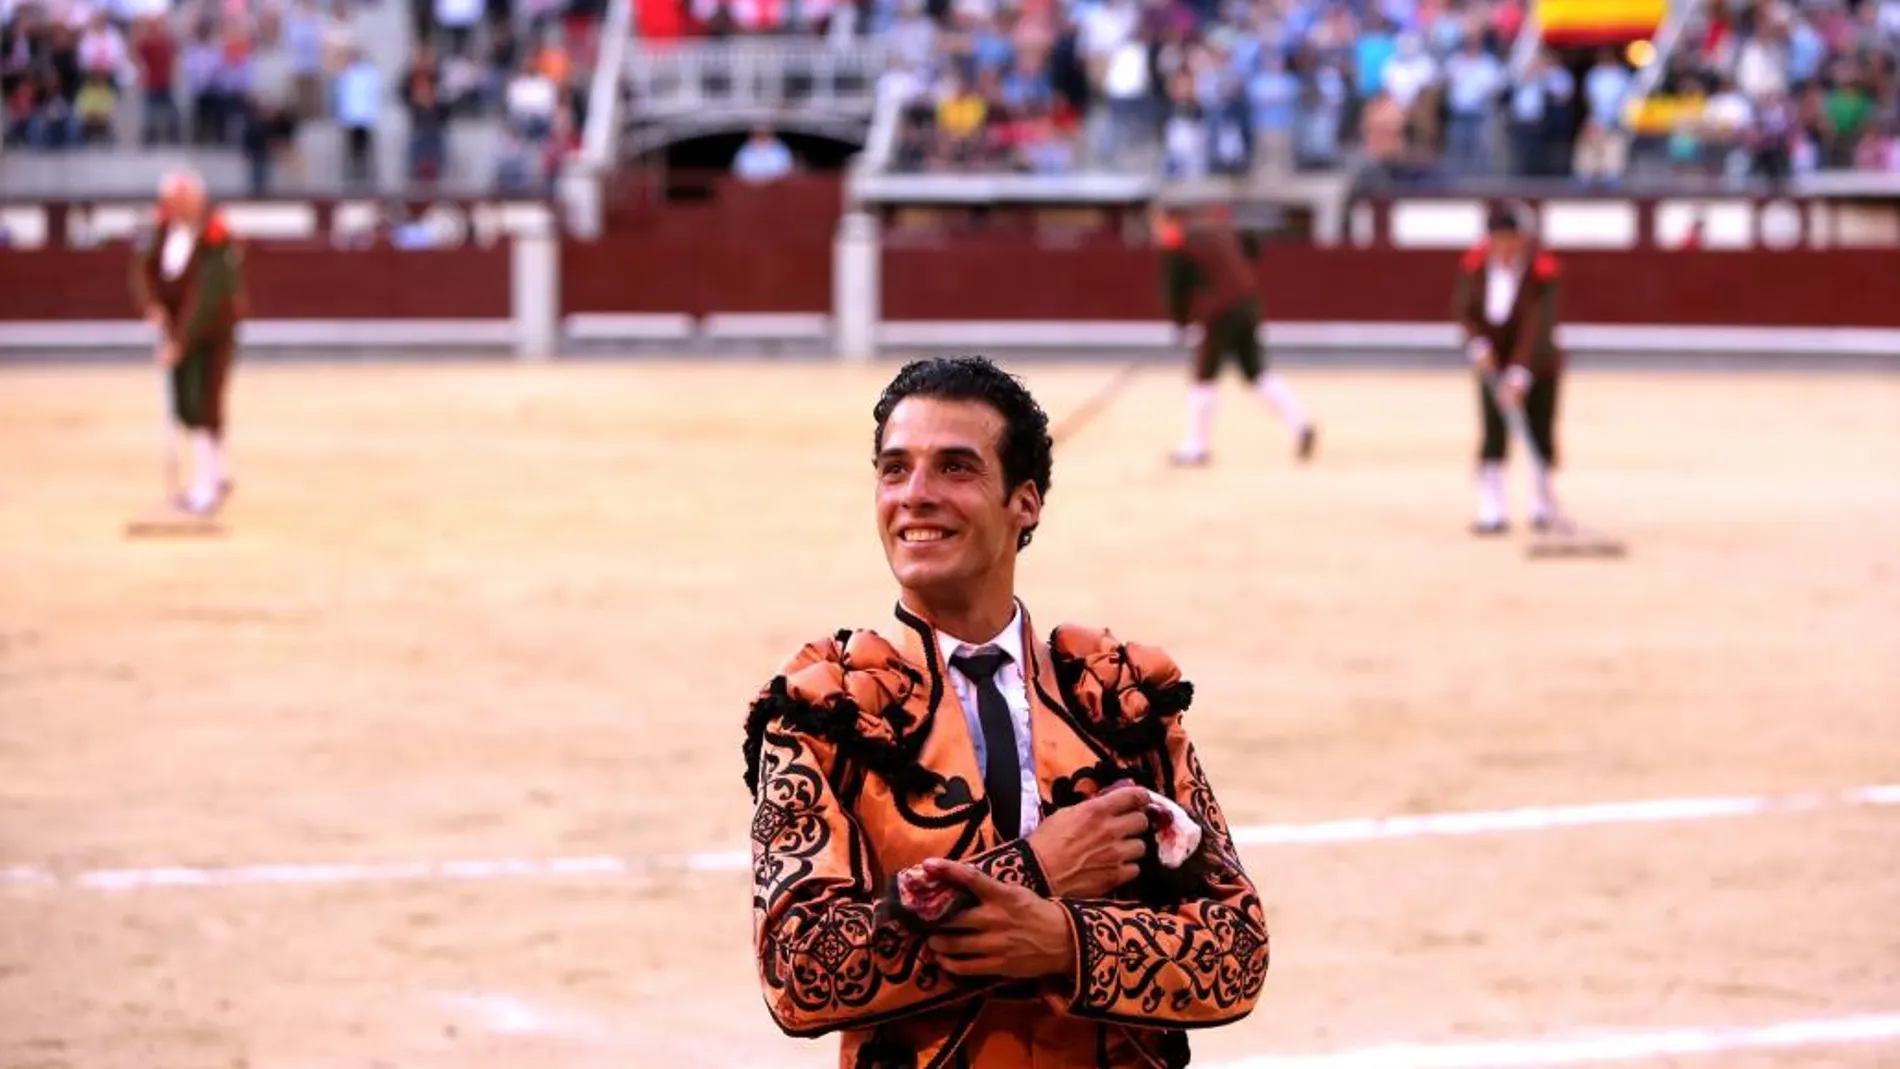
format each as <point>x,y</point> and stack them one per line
<point>1035,922</point>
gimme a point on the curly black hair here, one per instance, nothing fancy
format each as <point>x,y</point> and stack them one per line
<point>1027,451</point>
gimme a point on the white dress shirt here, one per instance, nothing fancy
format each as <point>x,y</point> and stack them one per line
<point>1500,291</point>
<point>1009,680</point>
<point>175,253</point>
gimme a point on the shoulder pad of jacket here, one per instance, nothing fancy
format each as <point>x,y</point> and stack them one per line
<point>1123,693</point>
<point>850,689</point>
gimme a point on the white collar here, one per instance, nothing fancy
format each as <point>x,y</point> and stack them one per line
<point>1009,640</point>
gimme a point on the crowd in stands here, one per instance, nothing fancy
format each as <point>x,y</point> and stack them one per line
<point>1404,90</point>
<point>527,63</point>
<point>247,75</point>
<point>1786,88</point>
<point>1407,91</point>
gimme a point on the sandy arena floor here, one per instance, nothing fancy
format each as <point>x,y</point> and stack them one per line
<point>488,612</point>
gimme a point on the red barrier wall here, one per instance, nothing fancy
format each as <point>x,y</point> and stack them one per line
<point>286,282</point>
<point>744,248</point>
<point>1012,280</point>
<point>719,245</point>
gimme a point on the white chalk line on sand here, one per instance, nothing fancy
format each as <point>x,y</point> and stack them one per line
<point>509,1015</point>
<point>1535,818</point>
<point>1594,1048</point>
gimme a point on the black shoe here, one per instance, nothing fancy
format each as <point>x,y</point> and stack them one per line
<point>1487,530</point>
<point>1182,458</point>
<point>1542,524</point>
<point>1309,437</point>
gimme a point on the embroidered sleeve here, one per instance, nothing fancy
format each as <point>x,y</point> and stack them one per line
<point>825,960</point>
<point>1201,963</point>
<point>828,957</point>
<point>1013,862</point>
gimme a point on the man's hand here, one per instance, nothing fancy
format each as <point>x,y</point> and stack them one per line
<point>1090,849</point>
<point>1482,358</point>
<point>1011,932</point>
<point>168,353</point>
<point>155,315</point>
<point>1512,384</point>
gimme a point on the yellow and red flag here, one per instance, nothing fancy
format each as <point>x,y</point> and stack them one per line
<point>1573,23</point>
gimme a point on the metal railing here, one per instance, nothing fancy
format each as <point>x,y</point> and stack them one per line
<point>1647,78</point>
<point>1529,40</point>
<point>603,91</point>
<point>785,75</point>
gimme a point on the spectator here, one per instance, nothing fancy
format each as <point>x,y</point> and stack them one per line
<point>502,54</point>
<point>1324,95</point>
<point>1771,140</point>
<point>428,131</point>
<point>1372,52</point>
<point>1382,130</point>
<point>269,128</point>
<point>1606,90</point>
<point>763,158</point>
<point>456,20</point>
<point>273,72</point>
<point>234,79</point>
<point>1850,112</point>
<point>1125,84</point>
<point>1723,132</point>
<point>303,44</point>
<point>204,96</point>
<point>156,52</point>
<point>1539,114</point>
<point>52,122</point>
<point>1184,133</point>
<point>961,112</point>
<point>1473,81</point>
<point>92,106</point>
<point>358,110</point>
<point>531,102</point>
<point>1408,73</point>
<point>340,39</point>
<point>1273,94</point>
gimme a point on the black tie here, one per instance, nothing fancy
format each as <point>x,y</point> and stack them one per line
<point>1002,775</point>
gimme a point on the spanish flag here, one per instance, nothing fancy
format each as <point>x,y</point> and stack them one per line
<point>1585,23</point>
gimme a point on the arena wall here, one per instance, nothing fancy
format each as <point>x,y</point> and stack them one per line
<point>774,265</point>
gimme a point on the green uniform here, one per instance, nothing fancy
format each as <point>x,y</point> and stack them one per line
<point>202,304</point>
<point>1206,278</point>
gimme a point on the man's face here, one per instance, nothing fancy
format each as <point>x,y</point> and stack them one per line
<point>942,510</point>
<point>1507,244</point>
<point>182,202</point>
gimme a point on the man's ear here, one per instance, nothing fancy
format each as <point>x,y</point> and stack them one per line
<point>1026,502</point>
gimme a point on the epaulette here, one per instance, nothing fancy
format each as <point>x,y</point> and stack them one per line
<point>1544,266</point>
<point>1125,694</point>
<point>1475,256</point>
<point>850,690</point>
